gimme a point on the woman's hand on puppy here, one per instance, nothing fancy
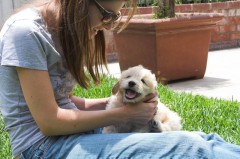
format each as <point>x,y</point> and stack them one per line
<point>151,98</point>
<point>142,112</point>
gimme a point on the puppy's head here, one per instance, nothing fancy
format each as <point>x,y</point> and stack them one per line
<point>135,83</point>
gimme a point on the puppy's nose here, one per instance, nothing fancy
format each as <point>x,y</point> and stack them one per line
<point>131,84</point>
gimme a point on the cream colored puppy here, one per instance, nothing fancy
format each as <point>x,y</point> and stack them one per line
<point>133,85</point>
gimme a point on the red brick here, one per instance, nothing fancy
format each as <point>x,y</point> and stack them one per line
<point>235,4</point>
<point>183,8</point>
<point>220,37</point>
<point>232,12</point>
<point>223,45</point>
<point>124,11</point>
<point>221,5</point>
<point>238,28</point>
<point>235,36</point>
<point>215,30</point>
<point>224,21</point>
<point>237,12</point>
<point>140,10</point>
<point>202,7</point>
<point>227,28</point>
<point>144,10</point>
<point>223,11</point>
<point>234,20</point>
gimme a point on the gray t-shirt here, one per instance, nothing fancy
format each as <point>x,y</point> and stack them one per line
<point>25,42</point>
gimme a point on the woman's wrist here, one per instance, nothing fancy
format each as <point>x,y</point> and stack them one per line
<point>96,104</point>
<point>106,100</point>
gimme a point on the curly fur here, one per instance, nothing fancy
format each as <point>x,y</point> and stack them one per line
<point>134,84</point>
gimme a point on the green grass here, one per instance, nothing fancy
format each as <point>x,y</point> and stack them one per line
<point>205,114</point>
<point>198,113</point>
<point>5,149</point>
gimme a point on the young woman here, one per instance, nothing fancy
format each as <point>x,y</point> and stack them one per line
<point>44,52</point>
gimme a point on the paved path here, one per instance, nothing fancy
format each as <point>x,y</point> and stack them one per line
<point>222,78</point>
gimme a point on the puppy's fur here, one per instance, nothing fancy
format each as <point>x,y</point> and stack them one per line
<point>133,85</point>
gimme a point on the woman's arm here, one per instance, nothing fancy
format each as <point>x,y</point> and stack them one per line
<point>89,104</point>
<point>53,120</point>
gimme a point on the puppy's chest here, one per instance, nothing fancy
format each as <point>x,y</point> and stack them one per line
<point>116,102</point>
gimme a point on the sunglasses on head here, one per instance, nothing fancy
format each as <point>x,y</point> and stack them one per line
<point>107,16</point>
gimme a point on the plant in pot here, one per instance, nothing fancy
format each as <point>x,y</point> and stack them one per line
<point>173,46</point>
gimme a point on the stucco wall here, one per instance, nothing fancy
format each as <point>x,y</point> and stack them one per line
<point>8,6</point>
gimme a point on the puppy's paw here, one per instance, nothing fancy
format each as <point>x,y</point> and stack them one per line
<point>109,129</point>
<point>155,126</point>
<point>173,123</point>
<point>169,120</point>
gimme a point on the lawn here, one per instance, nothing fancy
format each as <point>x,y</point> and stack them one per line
<point>198,113</point>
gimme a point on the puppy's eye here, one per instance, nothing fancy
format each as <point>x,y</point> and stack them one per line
<point>144,82</point>
<point>128,76</point>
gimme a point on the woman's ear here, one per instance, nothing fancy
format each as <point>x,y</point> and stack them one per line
<point>115,88</point>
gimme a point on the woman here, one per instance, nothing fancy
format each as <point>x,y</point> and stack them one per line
<point>43,51</point>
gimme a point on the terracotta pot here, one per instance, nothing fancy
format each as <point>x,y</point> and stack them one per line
<point>173,48</point>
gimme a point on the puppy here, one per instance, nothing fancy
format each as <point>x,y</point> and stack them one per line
<point>133,85</point>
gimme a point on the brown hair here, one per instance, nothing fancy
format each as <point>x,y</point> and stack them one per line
<point>73,28</point>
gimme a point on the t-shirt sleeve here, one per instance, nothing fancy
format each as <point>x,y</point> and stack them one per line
<point>22,47</point>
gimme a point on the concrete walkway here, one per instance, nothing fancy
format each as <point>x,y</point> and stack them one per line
<point>222,78</point>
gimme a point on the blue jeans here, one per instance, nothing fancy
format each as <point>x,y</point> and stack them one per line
<point>179,144</point>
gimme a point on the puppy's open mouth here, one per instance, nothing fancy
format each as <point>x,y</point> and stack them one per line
<point>131,94</point>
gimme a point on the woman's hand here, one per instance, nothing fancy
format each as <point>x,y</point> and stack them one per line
<point>151,98</point>
<point>142,112</point>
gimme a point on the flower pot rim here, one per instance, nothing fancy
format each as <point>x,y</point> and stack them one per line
<point>148,18</point>
<point>181,23</point>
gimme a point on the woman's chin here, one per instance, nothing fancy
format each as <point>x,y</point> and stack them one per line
<point>93,34</point>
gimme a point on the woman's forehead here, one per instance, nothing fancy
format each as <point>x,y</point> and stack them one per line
<point>112,5</point>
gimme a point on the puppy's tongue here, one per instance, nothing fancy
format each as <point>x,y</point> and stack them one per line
<point>130,94</point>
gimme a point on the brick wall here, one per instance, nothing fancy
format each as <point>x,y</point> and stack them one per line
<point>227,32</point>
<point>225,35</point>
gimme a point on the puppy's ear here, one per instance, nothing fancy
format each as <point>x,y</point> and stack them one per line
<point>115,88</point>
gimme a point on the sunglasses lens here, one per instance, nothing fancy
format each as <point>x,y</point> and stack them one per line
<point>116,18</point>
<point>107,19</point>
<point>111,18</point>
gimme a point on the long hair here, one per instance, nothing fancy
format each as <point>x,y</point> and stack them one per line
<point>82,54</point>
